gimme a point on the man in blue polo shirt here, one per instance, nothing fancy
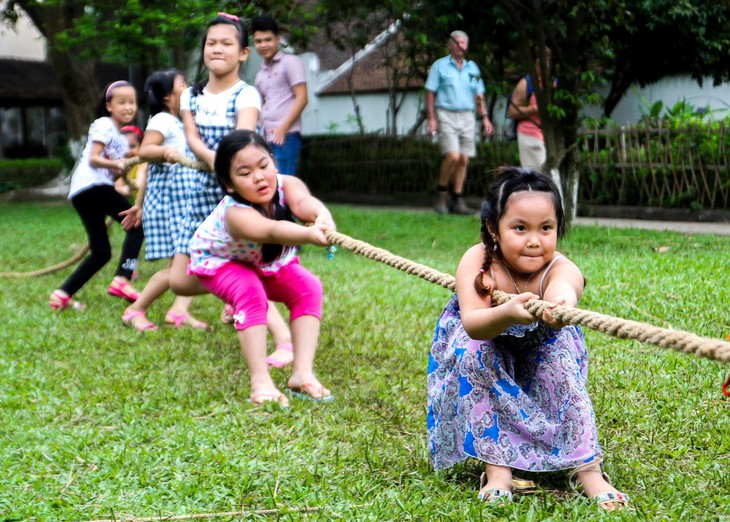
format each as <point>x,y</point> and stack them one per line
<point>454,88</point>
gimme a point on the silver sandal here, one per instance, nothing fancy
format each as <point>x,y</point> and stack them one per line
<point>603,500</point>
<point>493,495</point>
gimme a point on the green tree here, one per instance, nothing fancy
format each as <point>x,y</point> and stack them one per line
<point>80,35</point>
<point>616,42</point>
<point>660,38</point>
<point>75,74</point>
<point>593,42</point>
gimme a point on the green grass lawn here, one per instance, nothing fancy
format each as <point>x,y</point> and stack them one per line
<point>99,421</point>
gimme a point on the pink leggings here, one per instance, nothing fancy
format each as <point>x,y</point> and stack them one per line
<point>248,290</point>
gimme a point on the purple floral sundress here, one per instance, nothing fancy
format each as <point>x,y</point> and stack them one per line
<point>518,400</point>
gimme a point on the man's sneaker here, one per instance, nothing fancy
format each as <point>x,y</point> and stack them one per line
<point>441,206</point>
<point>459,207</point>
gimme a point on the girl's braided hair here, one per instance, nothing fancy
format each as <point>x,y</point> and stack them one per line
<point>511,180</point>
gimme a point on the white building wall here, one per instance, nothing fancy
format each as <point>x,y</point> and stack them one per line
<point>336,114</point>
<point>671,90</point>
<point>22,42</point>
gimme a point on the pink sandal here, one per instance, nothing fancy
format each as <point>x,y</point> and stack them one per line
<point>276,363</point>
<point>58,302</point>
<point>178,320</point>
<point>121,288</point>
<point>261,398</point>
<point>129,317</point>
<point>311,392</point>
<point>227,314</point>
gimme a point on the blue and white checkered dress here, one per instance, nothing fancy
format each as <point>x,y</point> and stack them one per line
<point>160,218</point>
<point>202,192</point>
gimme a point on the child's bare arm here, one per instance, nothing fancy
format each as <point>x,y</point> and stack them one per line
<point>247,118</point>
<point>565,281</point>
<point>153,150</point>
<point>304,206</point>
<point>98,161</point>
<point>563,286</point>
<point>247,223</point>
<point>480,319</point>
<point>195,142</point>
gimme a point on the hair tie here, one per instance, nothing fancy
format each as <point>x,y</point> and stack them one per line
<point>134,129</point>
<point>229,16</point>
<point>481,270</point>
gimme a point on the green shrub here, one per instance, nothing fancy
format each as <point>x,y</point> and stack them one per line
<point>379,164</point>
<point>31,172</point>
<point>676,160</point>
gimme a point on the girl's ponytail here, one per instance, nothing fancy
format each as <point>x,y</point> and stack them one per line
<point>159,85</point>
<point>272,251</point>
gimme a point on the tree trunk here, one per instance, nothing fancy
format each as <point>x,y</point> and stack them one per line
<point>355,105</point>
<point>78,92</point>
<point>562,165</point>
<point>75,75</point>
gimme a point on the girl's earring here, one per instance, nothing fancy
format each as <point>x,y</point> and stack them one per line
<point>496,246</point>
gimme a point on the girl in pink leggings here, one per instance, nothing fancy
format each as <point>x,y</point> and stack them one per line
<point>244,254</point>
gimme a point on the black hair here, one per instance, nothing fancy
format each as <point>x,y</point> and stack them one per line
<point>106,96</point>
<point>509,181</point>
<point>221,19</point>
<point>535,53</point>
<point>229,145</point>
<point>264,23</point>
<point>159,85</point>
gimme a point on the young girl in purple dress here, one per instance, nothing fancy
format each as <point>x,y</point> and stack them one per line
<point>502,387</point>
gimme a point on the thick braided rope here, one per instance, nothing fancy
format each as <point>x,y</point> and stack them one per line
<point>401,263</point>
<point>686,342</point>
<point>128,164</point>
<point>181,159</point>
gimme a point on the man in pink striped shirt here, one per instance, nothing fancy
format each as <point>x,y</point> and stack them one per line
<point>282,82</point>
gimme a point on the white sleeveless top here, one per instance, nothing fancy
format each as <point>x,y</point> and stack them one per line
<point>212,245</point>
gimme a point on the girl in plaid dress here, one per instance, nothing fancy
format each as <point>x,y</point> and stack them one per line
<point>210,110</point>
<point>163,143</point>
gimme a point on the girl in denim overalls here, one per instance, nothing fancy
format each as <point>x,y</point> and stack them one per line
<point>210,110</point>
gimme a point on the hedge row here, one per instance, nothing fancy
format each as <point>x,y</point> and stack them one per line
<point>24,173</point>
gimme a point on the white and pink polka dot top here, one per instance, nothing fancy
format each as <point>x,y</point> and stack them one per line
<point>212,245</point>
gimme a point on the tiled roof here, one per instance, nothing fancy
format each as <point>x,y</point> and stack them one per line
<point>34,83</point>
<point>370,75</point>
<point>26,82</point>
<point>370,72</point>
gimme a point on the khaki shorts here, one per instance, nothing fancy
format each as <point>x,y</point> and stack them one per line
<point>456,131</point>
<point>532,151</point>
